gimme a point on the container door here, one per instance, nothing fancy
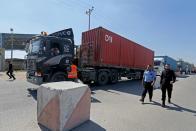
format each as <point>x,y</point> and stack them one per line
<point>88,51</point>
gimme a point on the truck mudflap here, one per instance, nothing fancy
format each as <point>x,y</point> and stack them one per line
<point>35,80</point>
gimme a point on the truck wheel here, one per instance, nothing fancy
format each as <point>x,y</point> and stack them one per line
<point>102,78</point>
<point>59,76</point>
<point>130,78</point>
<point>86,81</point>
<point>114,77</point>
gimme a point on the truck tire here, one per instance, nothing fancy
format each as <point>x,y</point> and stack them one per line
<point>58,76</point>
<point>114,77</point>
<point>130,78</point>
<point>103,78</point>
<point>86,82</point>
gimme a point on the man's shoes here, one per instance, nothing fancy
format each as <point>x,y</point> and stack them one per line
<point>10,78</point>
<point>169,101</point>
<point>14,78</point>
<point>150,100</point>
<point>142,100</point>
<point>163,104</point>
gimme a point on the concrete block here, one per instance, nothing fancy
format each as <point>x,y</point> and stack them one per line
<point>62,106</point>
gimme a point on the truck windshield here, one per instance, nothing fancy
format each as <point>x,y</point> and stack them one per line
<point>34,47</point>
<point>157,63</point>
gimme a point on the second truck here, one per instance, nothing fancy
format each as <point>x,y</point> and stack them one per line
<point>160,61</point>
<point>103,57</point>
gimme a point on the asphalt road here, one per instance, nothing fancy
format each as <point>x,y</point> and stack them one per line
<point>114,108</point>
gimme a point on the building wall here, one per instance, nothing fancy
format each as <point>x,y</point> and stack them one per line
<point>18,64</point>
<point>19,43</point>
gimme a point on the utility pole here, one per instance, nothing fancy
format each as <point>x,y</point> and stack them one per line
<point>11,29</point>
<point>88,12</point>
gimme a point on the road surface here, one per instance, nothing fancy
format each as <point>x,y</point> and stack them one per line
<point>114,108</point>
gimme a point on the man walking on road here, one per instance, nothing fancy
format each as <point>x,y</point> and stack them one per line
<point>10,71</point>
<point>148,81</point>
<point>167,79</point>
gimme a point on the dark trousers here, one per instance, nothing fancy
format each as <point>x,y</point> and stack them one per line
<point>10,74</point>
<point>147,88</point>
<point>167,88</point>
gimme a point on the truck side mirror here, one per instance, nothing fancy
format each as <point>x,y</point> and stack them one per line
<point>27,47</point>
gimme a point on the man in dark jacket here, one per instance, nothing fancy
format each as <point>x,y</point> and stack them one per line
<point>10,71</point>
<point>167,79</point>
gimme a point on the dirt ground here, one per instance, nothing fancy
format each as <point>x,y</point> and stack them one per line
<point>20,75</point>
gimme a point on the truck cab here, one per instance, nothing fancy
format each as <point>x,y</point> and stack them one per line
<point>159,65</point>
<point>160,61</point>
<point>49,57</point>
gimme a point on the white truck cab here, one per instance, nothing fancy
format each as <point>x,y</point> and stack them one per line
<point>159,65</point>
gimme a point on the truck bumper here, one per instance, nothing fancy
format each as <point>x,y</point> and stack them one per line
<point>35,80</point>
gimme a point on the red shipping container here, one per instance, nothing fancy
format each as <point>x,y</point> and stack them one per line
<point>127,53</point>
<point>103,48</point>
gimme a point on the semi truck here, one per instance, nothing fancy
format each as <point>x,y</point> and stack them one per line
<point>103,57</point>
<point>160,61</point>
<point>193,69</point>
<point>184,67</point>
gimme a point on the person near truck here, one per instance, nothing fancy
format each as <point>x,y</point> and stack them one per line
<point>148,82</point>
<point>10,71</point>
<point>55,51</point>
<point>73,74</point>
<point>167,79</point>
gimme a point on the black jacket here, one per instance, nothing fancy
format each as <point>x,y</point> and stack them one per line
<point>10,67</point>
<point>167,76</point>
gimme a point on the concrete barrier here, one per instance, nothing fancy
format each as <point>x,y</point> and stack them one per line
<point>62,106</point>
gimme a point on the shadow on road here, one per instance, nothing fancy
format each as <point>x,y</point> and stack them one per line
<point>87,126</point>
<point>183,76</point>
<point>175,108</point>
<point>94,100</point>
<point>43,128</point>
<point>181,109</point>
<point>152,103</point>
<point>32,93</point>
<point>130,86</point>
<point>126,86</point>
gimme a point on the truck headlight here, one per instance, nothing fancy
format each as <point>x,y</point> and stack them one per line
<point>38,73</point>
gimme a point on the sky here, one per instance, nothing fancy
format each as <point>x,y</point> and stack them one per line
<point>168,27</point>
